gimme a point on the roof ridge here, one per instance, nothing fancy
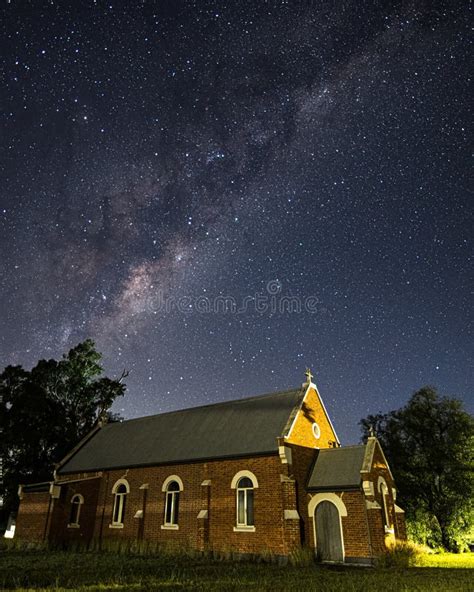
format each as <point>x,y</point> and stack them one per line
<point>344,447</point>
<point>219,403</point>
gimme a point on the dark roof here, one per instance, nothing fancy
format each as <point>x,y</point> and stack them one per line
<point>233,428</point>
<point>337,468</point>
<point>36,487</point>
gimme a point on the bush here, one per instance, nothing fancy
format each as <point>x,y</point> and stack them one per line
<point>460,532</point>
<point>400,555</point>
<point>423,529</point>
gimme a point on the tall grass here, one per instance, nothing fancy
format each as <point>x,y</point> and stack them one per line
<point>401,554</point>
<point>26,568</point>
<point>302,556</point>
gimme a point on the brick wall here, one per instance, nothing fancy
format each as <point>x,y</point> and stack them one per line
<point>303,459</point>
<point>32,523</point>
<point>274,494</point>
<point>302,431</point>
<point>376,526</point>
<point>355,527</point>
<point>60,530</point>
<point>381,539</point>
<point>401,527</point>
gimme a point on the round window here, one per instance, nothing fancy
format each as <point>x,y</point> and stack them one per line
<point>316,430</point>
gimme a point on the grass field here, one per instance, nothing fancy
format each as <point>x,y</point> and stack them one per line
<point>89,571</point>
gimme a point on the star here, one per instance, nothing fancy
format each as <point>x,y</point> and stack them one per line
<point>162,167</point>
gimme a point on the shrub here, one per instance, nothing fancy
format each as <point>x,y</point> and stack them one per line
<point>400,554</point>
<point>460,531</point>
<point>423,529</point>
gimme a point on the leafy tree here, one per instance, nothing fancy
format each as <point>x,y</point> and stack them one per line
<point>429,444</point>
<point>45,412</point>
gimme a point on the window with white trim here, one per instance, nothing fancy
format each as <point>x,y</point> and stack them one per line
<point>120,491</point>
<point>386,520</point>
<point>76,502</point>
<point>172,503</point>
<point>245,499</point>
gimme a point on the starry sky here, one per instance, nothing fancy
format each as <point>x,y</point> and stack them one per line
<point>221,194</point>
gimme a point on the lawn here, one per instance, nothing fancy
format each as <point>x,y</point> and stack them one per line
<point>91,571</point>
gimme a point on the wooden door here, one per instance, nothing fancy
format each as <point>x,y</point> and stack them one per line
<point>328,532</point>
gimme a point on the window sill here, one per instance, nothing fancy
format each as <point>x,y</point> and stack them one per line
<point>115,525</point>
<point>73,526</point>
<point>244,528</point>
<point>170,527</point>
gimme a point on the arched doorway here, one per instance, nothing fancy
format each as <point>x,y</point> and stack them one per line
<point>328,532</point>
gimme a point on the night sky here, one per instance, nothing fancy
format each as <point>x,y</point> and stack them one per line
<point>222,194</point>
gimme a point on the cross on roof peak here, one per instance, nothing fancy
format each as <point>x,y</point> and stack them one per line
<point>309,374</point>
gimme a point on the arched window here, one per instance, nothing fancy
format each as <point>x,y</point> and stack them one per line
<point>384,492</point>
<point>382,486</point>
<point>76,503</point>
<point>245,502</point>
<point>120,491</point>
<point>244,483</point>
<point>172,503</point>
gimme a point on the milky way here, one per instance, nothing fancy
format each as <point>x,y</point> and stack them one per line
<point>221,194</point>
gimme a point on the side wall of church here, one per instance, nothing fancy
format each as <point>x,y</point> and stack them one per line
<point>207,508</point>
<point>61,530</point>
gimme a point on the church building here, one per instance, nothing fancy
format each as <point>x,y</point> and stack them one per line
<point>264,475</point>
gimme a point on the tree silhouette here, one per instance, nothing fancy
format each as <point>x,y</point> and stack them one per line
<point>46,411</point>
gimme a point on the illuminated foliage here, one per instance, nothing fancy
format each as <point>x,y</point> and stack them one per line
<point>429,446</point>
